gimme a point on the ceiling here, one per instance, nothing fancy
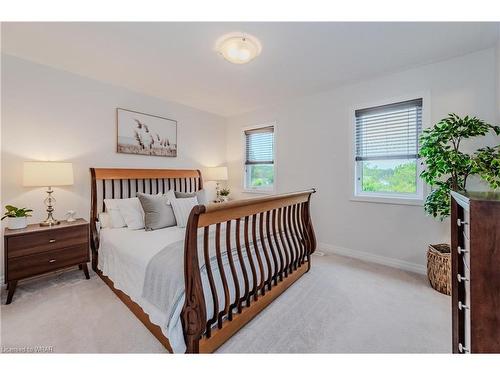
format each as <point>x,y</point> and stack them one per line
<point>176,61</point>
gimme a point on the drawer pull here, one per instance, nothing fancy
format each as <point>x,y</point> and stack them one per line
<point>52,261</point>
<point>462,306</point>
<point>52,241</point>
<point>461,278</point>
<point>462,349</point>
<point>461,222</point>
<point>462,251</point>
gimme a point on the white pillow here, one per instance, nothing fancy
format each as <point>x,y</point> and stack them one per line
<point>182,207</point>
<point>132,212</point>
<point>125,213</point>
<point>104,220</point>
<point>115,217</point>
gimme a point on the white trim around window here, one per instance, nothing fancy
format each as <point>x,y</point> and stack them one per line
<point>354,167</point>
<point>245,189</point>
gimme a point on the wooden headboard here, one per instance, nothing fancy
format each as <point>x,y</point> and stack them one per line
<point>126,183</point>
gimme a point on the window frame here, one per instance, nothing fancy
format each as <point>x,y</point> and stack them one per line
<point>355,169</point>
<point>256,190</point>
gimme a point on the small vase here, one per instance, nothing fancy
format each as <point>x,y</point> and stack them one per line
<point>224,199</point>
<point>17,223</point>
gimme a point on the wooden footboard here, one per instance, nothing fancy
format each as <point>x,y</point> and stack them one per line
<point>277,240</point>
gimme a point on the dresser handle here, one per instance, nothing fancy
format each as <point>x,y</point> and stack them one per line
<point>460,222</point>
<point>462,349</point>
<point>461,278</point>
<point>462,306</point>
<point>52,261</point>
<point>461,251</point>
<point>52,241</point>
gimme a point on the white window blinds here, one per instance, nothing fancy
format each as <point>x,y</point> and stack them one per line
<point>389,132</point>
<point>259,145</point>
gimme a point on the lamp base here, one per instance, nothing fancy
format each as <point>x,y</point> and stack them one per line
<point>49,222</point>
<point>217,191</point>
<point>49,202</point>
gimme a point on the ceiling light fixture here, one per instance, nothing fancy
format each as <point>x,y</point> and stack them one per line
<point>238,48</point>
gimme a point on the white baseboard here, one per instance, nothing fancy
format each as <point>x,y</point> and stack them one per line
<point>373,258</point>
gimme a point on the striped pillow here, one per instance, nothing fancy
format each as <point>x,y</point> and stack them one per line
<point>182,207</point>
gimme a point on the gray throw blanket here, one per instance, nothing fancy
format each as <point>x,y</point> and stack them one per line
<point>164,279</point>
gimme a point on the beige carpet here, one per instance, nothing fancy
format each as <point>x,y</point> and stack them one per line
<point>341,306</point>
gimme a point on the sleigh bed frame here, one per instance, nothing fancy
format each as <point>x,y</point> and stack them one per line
<point>285,217</point>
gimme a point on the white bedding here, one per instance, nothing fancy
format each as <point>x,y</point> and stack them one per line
<point>124,255</point>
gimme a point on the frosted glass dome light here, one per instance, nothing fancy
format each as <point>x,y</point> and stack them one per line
<point>238,48</point>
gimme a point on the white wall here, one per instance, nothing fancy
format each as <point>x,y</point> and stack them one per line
<point>313,150</point>
<point>49,114</point>
<point>498,74</point>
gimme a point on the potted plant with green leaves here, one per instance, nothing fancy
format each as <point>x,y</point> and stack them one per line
<point>224,194</point>
<point>447,167</point>
<point>16,217</point>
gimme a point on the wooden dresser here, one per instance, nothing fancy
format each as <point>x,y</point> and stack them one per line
<point>36,250</point>
<point>475,268</point>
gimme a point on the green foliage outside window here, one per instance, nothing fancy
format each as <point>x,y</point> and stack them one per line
<point>261,175</point>
<point>398,179</point>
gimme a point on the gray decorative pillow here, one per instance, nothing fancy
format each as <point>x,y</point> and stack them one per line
<point>200,195</point>
<point>158,213</point>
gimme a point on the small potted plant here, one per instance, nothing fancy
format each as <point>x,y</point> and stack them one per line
<point>16,217</point>
<point>447,167</point>
<point>224,194</point>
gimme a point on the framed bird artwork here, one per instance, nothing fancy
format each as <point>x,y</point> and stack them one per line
<point>143,134</point>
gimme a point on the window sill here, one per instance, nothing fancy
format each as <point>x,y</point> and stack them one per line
<point>388,200</point>
<point>257,191</point>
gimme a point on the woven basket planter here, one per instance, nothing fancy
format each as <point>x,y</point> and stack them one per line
<point>439,267</point>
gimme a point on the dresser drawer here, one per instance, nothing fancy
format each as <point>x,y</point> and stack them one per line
<point>31,265</point>
<point>465,306</point>
<point>39,242</point>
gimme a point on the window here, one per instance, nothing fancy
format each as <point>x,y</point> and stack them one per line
<point>386,150</point>
<point>259,159</point>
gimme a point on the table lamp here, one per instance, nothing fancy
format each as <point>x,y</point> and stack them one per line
<point>46,173</point>
<point>216,174</point>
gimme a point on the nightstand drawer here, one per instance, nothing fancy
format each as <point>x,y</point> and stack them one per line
<point>32,265</point>
<point>39,242</point>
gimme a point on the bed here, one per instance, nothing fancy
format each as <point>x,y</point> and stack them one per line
<point>195,287</point>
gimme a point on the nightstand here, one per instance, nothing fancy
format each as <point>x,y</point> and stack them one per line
<point>36,250</point>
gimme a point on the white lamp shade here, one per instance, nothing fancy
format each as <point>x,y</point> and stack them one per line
<point>47,173</point>
<point>216,174</point>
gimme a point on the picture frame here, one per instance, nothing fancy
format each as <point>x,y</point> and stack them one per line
<point>141,133</point>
